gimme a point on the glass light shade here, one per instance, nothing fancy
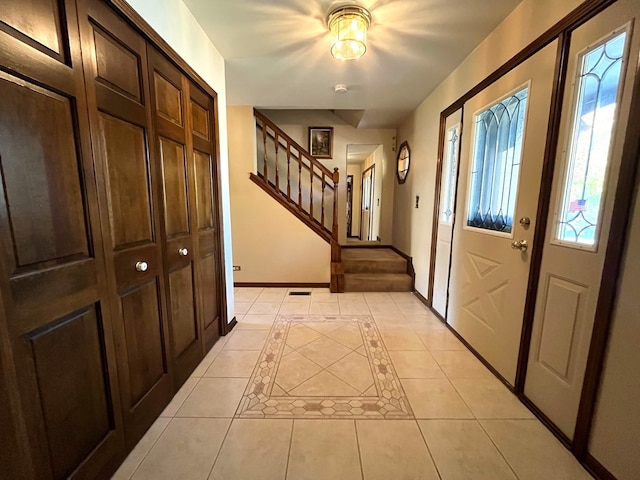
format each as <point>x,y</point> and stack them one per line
<point>349,32</point>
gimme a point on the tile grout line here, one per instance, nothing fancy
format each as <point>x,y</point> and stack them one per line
<point>355,426</point>
<point>498,450</point>
<point>426,444</point>
<point>150,448</point>
<point>286,473</point>
<point>224,439</point>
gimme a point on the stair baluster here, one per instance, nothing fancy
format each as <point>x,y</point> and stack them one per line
<point>288,171</point>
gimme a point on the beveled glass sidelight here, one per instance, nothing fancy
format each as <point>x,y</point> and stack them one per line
<point>598,88</point>
<point>403,162</point>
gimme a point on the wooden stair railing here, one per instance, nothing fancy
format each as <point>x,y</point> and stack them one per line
<point>302,185</point>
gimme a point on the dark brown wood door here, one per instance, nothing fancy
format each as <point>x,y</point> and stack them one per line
<point>172,143</point>
<point>57,368</point>
<point>205,167</point>
<point>128,183</point>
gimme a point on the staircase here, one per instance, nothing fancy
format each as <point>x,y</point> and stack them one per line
<point>302,185</point>
<point>376,270</point>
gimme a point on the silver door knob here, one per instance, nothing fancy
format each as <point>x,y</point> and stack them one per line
<point>141,266</point>
<point>183,252</point>
<point>521,245</point>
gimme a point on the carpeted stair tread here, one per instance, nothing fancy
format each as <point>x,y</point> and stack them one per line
<point>373,260</point>
<point>377,282</point>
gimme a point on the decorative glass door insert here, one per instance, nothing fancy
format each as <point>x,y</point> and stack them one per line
<point>598,87</point>
<point>497,153</point>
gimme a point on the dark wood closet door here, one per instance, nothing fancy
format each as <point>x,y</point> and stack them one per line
<point>168,94</point>
<point>119,108</point>
<point>202,114</point>
<point>57,365</point>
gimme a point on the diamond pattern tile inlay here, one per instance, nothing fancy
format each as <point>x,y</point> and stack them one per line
<point>320,366</point>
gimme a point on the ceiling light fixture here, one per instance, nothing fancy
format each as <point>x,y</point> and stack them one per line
<point>348,25</point>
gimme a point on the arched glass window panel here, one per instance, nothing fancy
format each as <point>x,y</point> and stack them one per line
<point>450,170</point>
<point>598,88</point>
<point>497,153</point>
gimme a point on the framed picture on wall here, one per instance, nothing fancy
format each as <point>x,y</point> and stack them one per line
<point>321,142</point>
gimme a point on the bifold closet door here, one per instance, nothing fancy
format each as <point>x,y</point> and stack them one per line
<point>117,88</point>
<point>169,92</point>
<point>55,324</point>
<point>205,167</point>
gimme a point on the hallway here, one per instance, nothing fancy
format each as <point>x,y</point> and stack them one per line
<point>413,404</point>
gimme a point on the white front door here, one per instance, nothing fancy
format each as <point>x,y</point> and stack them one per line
<point>595,111</point>
<point>451,156</point>
<point>500,169</point>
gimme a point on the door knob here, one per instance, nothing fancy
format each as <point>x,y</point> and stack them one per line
<point>141,266</point>
<point>521,245</point>
<point>183,252</point>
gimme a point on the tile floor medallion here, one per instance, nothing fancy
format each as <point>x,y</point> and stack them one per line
<point>319,366</point>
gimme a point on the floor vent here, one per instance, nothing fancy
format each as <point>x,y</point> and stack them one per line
<point>300,293</point>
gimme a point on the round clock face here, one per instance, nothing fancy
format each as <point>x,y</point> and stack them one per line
<point>403,162</point>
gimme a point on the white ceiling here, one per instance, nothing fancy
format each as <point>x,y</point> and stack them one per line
<point>357,153</point>
<point>277,52</point>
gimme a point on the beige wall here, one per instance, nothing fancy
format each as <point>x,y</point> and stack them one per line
<point>177,25</point>
<point>615,439</point>
<point>269,243</point>
<point>344,135</point>
<point>411,226</point>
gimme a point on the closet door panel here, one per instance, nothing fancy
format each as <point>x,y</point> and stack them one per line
<point>128,181</point>
<point>38,23</point>
<point>56,318</point>
<point>185,328</point>
<point>68,364</point>
<point>205,171</point>
<point>145,357</point>
<point>129,192</point>
<point>171,125</point>
<point>175,180</point>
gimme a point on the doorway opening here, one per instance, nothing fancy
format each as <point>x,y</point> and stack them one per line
<point>364,193</point>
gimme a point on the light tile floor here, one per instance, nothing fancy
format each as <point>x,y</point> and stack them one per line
<point>460,422</point>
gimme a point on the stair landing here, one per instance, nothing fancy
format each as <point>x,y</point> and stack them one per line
<point>375,270</point>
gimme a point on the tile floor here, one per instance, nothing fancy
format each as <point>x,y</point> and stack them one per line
<point>344,386</point>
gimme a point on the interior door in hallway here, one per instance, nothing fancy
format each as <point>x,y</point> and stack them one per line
<point>368,185</point>
<point>446,211</point>
<point>500,171</point>
<point>594,119</point>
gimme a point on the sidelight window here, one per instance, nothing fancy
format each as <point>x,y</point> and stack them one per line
<point>449,175</point>
<point>497,153</point>
<point>598,87</point>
